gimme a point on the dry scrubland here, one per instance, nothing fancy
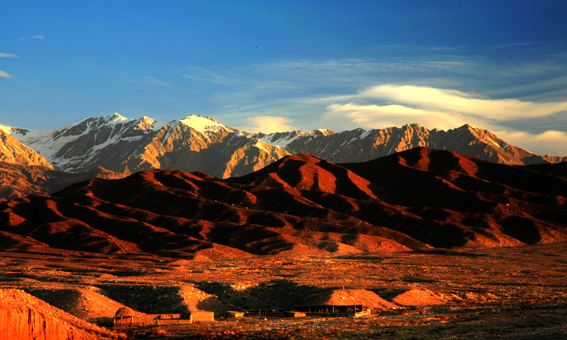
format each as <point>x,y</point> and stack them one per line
<point>510,293</point>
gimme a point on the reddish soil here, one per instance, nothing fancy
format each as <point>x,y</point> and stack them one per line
<point>23,316</point>
<point>486,293</point>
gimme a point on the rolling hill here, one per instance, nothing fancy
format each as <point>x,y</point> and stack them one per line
<point>418,199</point>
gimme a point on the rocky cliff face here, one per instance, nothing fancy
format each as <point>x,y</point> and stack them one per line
<point>24,317</point>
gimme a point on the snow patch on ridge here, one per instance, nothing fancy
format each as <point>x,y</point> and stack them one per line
<point>202,124</point>
<point>42,142</point>
<point>117,119</point>
<point>493,142</point>
<point>364,134</point>
<point>260,145</point>
<point>156,126</point>
<point>283,139</point>
<point>6,129</point>
<point>281,142</point>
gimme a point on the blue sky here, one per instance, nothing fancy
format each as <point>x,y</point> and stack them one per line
<point>281,65</point>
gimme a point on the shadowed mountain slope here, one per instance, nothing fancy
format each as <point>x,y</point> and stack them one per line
<point>417,199</point>
<point>18,180</point>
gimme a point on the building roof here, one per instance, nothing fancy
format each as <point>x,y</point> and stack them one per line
<point>126,311</point>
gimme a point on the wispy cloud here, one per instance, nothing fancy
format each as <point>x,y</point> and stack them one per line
<point>319,71</point>
<point>512,45</point>
<point>201,74</point>
<point>149,80</point>
<point>4,74</point>
<point>39,37</point>
<point>550,87</point>
<point>154,81</point>
<point>8,55</point>
<point>412,47</point>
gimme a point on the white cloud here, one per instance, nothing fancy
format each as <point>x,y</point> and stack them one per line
<point>350,116</point>
<point>453,101</point>
<point>4,74</point>
<point>8,55</point>
<point>39,37</point>
<point>547,143</point>
<point>267,124</point>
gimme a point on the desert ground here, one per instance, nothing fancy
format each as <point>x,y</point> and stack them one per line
<point>486,293</point>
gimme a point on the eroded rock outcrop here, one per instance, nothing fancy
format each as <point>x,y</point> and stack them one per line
<point>24,317</point>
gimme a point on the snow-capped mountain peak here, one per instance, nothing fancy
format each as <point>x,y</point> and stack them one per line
<point>323,132</point>
<point>117,118</point>
<point>202,124</point>
<point>149,124</point>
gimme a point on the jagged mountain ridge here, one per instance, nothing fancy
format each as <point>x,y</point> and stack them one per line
<point>129,145</point>
<point>198,143</point>
<point>363,145</point>
<point>418,199</point>
<point>114,146</point>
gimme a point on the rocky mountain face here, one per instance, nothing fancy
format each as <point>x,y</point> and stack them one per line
<point>417,199</point>
<point>131,145</point>
<point>119,145</point>
<point>361,145</point>
<point>14,152</point>
<point>24,172</point>
<point>203,144</point>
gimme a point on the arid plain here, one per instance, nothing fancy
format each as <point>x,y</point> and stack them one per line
<point>505,293</point>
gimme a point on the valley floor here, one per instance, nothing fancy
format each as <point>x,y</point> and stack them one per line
<point>490,293</point>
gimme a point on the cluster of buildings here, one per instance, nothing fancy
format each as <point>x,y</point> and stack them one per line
<point>127,317</point>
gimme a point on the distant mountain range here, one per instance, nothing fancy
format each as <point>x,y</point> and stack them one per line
<point>418,199</point>
<point>114,146</point>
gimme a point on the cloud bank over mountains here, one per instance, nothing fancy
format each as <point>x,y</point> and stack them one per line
<point>540,127</point>
<point>394,105</point>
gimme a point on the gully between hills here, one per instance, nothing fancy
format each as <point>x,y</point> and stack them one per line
<point>417,199</point>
